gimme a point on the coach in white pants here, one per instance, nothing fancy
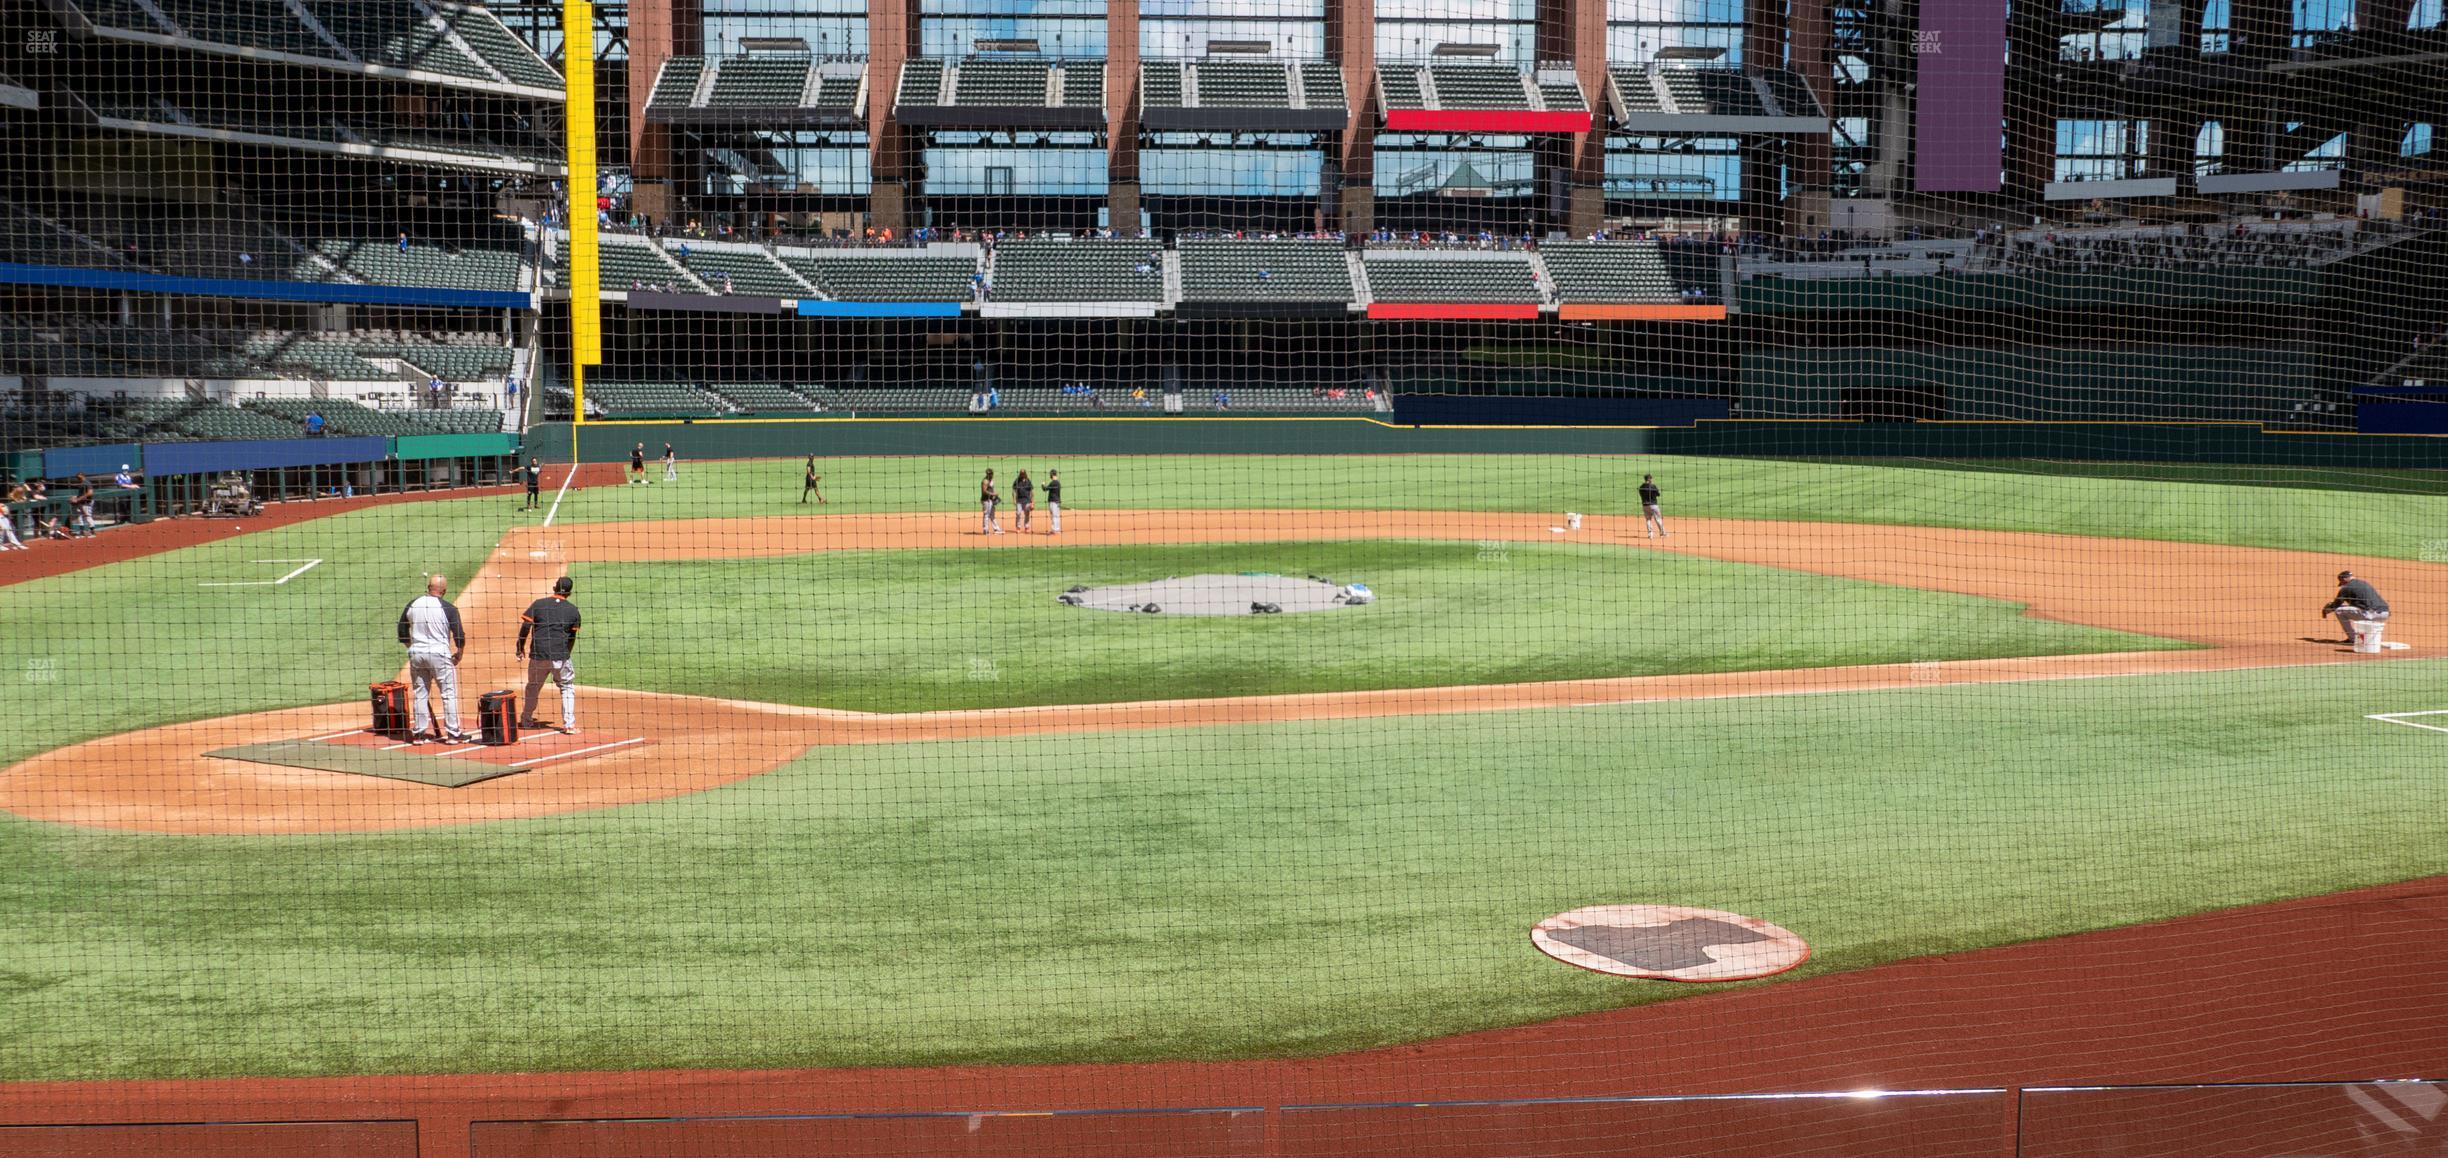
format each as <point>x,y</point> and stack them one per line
<point>429,626</point>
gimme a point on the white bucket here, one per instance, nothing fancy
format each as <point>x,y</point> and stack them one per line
<point>2367,634</point>
<point>1572,520</point>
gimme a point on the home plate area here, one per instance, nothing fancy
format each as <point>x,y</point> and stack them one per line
<point>366,753</point>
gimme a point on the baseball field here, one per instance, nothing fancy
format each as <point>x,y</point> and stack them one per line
<point>870,796</point>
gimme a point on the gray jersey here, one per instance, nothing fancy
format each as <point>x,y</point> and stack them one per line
<point>429,623</point>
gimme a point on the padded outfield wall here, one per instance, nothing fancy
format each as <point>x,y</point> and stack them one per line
<point>2236,443</point>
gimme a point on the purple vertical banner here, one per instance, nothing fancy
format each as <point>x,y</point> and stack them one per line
<point>1960,99</point>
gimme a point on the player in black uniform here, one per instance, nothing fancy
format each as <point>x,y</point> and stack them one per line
<point>533,474</point>
<point>1654,522</point>
<point>637,464</point>
<point>988,500</point>
<point>1024,495</point>
<point>1054,501</point>
<point>2356,599</point>
<point>547,634</point>
<point>808,486</point>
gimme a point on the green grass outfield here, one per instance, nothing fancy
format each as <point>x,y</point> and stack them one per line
<point>898,631</point>
<point>2242,506</point>
<point>1234,891</point>
<point>1230,891</point>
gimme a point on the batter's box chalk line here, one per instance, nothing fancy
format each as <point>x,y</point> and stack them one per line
<point>2405,719</point>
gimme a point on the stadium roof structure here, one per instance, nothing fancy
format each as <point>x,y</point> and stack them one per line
<point>1713,99</point>
<point>458,45</point>
<point>1447,95</point>
<point>17,96</point>
<point>992,92</point>
<point>762,88</point>
<point>1241,94</point>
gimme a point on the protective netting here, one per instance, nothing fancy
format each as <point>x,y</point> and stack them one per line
<point>773,535</point>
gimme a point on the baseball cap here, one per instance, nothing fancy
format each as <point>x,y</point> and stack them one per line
<point>2345,575</point>
<point>561,586</point>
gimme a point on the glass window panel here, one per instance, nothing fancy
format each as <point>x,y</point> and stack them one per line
<point>958,35</point>
<point>1230,172</point>
<point>1034,172</point>
<point>1292,39</point>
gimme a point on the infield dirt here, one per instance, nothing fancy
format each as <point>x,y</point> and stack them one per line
<point>2249,607</point>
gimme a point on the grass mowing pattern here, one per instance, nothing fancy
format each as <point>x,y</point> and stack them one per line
<point>2246,508</point>
<point>1243,891</point>
<point>140,643</point>
<point>1200,893</point>
<point>895,631</point>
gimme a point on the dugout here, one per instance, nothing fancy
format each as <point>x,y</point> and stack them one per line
<point>177,478</point>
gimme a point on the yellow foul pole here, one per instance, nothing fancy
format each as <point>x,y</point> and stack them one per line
<point>585,288</point>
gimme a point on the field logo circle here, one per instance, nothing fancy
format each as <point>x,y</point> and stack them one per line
<point>1669,943</point>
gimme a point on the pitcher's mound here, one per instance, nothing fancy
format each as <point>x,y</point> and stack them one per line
<point>1669,943</point>
<point>1221,595</point>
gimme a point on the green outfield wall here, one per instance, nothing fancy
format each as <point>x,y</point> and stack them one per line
<point>2106,442</point>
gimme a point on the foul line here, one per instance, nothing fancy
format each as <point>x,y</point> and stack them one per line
<point>565,482</point>
<point>309,565</point>
<point>579,752</point>
<point>2400,718</point>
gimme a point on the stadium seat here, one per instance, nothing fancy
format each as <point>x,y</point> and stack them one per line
<point>1299,270</point>
<point>764,398</point>
<point>742,269</point>
<point>882,277</point>
<point>1494,279</point>
<point>615,399</point>
<point>1608,272</point>
<point>1078,270</point>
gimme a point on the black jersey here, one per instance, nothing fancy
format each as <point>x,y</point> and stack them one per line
<point>1054,490</point>
<point>549,628</point>
<point>1649,494</point>
<point>1024,490</point>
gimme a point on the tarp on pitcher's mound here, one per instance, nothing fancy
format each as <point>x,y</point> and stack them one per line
<point>1669,943</point>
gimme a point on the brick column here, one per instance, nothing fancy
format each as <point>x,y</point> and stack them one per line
<point>892,34</point>
<point>1806,36</point>
<point>1575,30</point>
<point>1122,114</point>
<point>658,31</point>
<point>1351,37</point>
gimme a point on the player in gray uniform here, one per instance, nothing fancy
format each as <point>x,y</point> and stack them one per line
<point>2356,599</point>
<point>1053,492</point>
<point>429,626</point>
<point>547,635</point>
<point>988,500</point>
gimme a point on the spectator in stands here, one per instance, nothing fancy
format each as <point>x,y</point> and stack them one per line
<point>314,426</point>
<point>8,522</point>
<point>1223,401</point>
<point>124,480</point>
<point>510,388</point>
<point>403,241</point>
<point>246,260</point>
<point>434,387</point>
